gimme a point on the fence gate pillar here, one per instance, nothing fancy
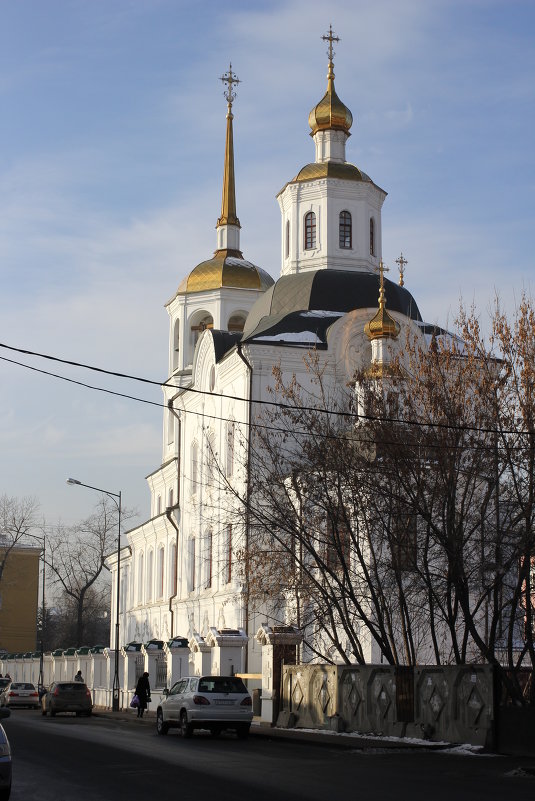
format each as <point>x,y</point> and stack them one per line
<point>279,646</point>
<point>201,655</point>
<point>178,658</point>
<point>228,650</point>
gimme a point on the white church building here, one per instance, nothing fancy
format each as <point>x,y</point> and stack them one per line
<point>229,324</point>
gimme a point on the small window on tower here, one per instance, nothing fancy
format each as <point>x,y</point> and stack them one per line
<point>310,230</point>
<point>372,237</point>
<point>345,230</point>
<point>236,323</point>
<point>176,343</point>
<point>287,245</point>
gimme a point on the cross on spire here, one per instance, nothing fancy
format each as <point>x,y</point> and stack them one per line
<point>231,79</point>
<point>330,38</point>
<point>402,262</point>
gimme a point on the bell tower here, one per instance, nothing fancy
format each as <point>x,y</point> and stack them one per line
<point>331,210</point>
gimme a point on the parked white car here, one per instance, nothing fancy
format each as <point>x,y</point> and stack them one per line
<point>5,760</point>
<point>208,702</point>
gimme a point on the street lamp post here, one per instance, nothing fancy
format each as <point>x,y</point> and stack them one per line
<point>113,496</point>
<point>40,681</point>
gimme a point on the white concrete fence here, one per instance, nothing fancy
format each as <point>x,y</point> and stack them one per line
<point>221,652</point>
<point>454,703</point>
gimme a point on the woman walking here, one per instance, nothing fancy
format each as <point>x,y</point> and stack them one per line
<point>143,693</point>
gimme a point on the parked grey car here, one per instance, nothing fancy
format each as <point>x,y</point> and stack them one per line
<point>20,693</point>
<point>208,702</point>
<point>5,759</point>
<point>67,696</point>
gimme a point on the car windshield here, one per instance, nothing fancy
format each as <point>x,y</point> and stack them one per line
<point>73,687</point>
<point>222,684</point>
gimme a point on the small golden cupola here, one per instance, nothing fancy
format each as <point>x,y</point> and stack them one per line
<point>382,326</point>
<point>330,113</point>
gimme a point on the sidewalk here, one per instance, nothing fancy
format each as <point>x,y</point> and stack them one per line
<point>309,736</point>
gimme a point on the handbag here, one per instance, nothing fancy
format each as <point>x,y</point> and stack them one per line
<point>134,703</point>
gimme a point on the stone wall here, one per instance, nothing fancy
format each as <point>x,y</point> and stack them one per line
<point>449,703</point>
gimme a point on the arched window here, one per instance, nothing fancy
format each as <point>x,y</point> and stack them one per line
<point>201,322</point>
<point>236,323</point>
<point>123,589</point>
<point>170,427</point>
<point>191,576</point>
<point>210,457</point>
<point>345,238</point>
<point>372,237</point>
<point>229,467</point>
<point>287,240</point>
<point>149,575</point>
<point>161,560</point>
<point>310,230</point>
<point>172,571</point>
<point>140,580</point>
<point>194,467</point>
<point>176,343</point>
<point>227,556</point>
<point>208,559</point>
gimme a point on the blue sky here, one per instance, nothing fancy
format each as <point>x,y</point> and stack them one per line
<point>112,125</point>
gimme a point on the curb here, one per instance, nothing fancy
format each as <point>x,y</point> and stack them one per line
<point>308,737</point>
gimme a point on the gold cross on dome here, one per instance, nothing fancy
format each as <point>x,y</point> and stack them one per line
<point>330,38</point>
<point>382,270</point>
<point>231,79</point>
<point>402,262</point>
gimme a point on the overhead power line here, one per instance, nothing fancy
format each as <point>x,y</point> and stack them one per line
<point>263,402</point>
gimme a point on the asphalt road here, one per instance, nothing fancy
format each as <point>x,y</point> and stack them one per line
<point>97,759</point>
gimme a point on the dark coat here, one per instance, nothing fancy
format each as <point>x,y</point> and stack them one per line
<point>143,691</point>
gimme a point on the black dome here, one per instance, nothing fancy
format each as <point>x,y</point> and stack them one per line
<point>325,290</point>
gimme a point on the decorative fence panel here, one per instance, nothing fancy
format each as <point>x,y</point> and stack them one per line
<point>161,671</point>
<point>452,703</point>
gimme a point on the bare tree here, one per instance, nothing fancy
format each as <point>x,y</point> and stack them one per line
<point>395,515</point>
<point>18,521</point>
<point>76,562</point>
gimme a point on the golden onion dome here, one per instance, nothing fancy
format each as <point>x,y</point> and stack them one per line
<point>343,171</point>
<point>227,268</point>
<point>382,325</point>
<point>330,113</point>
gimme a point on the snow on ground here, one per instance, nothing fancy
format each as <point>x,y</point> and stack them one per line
<point>464,749</point>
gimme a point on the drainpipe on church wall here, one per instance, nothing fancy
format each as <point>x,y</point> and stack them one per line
<point>247,516</point>
<point>169,511</point>
<point>172,597</point>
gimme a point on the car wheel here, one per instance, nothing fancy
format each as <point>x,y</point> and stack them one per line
<point>243,731</point>
<point>185,727</point>
<point>161,726</point>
